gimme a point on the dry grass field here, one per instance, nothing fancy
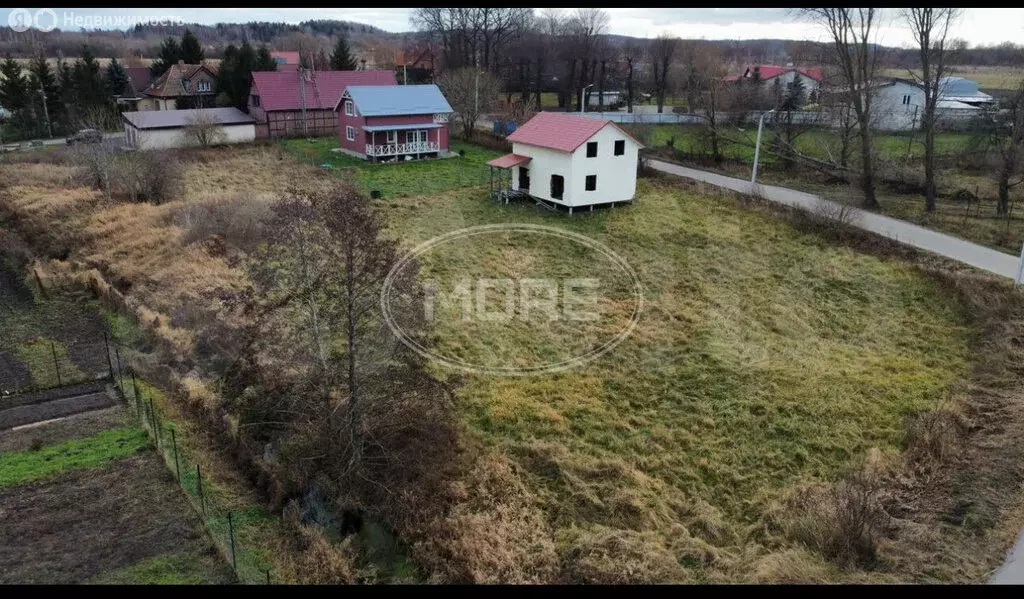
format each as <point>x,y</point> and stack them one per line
<point>776,379</point>
<point>999,78</point>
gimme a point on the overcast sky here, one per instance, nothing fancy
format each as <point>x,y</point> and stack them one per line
<point>979,26</point>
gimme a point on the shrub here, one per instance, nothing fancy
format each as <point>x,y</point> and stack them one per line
<point>237,219</point>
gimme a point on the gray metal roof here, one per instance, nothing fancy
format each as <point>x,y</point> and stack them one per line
<point>397,100</point>
<point>168,119</point>
<point>401,127</point>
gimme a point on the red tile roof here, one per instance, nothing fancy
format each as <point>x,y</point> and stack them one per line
<point>771,71</point>
<point>509,160</point>
<point>279,90</point>
<point>560,131</point>
<point>289,57</point>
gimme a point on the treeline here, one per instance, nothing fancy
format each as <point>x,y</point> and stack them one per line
<point>145,40</point>
<point>56,101</point>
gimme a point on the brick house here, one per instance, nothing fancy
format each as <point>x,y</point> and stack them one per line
<point>183,86</point>
<point>276,100</point>
<point>386,123</point>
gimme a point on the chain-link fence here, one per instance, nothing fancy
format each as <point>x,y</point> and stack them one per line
<point>230,528</point>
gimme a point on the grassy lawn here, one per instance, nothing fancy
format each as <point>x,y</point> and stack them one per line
<point>765,358</point>
<point>816,143</point>
<point>180,568</point>
<point>396,180</point>
<point>91,452</point>
<point>988,77</point>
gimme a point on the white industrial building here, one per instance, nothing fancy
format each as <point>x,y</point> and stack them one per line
<point>570,161</point>
<point>162,129</point>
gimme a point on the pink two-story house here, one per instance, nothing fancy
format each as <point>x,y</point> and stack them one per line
<point>394,122</point>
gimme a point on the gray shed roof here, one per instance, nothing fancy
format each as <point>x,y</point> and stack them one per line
<point>398,100</point>
<point>170,119</point>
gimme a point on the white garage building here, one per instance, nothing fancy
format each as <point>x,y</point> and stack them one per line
<point>161,129</point>
<point>570,161</point>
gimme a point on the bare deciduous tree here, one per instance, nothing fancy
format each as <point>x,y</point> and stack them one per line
<point>931,30</point>
<point>203,130</point>
<point>471,92</point>
<point>852,33</point>
<point>663,50</point>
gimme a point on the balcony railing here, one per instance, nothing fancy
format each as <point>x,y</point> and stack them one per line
<point>419,147</point>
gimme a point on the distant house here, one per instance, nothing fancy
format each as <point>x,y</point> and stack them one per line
<point>898,104</point>
<point>162,129</point>
<point>415,66</point>
<point>393,122</point>
<point>276,100</point>
<point>139,78</point>
<point>287,61</point>
<point>569,161</point>
<point>767,74</point>
<point>610,98</point>
<point>183,86</point>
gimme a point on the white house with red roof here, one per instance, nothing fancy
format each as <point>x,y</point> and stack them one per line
<point>812,77</point>
<point>569,160</point>
<point>279,99</point>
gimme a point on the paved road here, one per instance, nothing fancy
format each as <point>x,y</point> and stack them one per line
<point>906,233</point>
<point>57,141</point>
<point>1012,571</point>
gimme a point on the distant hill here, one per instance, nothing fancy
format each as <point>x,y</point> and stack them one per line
<point>376,45</point>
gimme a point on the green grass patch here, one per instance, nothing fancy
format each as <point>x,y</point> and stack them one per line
<point>765,357</point>
<point>91,452</point>
<point>820,144</point>
<point>412,178</point>
<point>48,363</point>
<point>181,568</point>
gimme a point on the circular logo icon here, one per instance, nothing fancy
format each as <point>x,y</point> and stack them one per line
<point>45,19</point>
<point>19,19</point>
<point>512,299</point>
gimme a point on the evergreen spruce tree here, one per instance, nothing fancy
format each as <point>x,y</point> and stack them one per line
<point>341,58</point>
<point>191,50</point>
<point>116,79</point>
<point>90,90</point>
<point>264,61</point>
<point>44,80</point>
<point>169,55</point>
<point>13,86</point>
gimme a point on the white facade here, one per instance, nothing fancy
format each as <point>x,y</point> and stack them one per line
<point>897,107</point>
<point>175,137</point>
<point>786,80</point>
<point>615,175</point>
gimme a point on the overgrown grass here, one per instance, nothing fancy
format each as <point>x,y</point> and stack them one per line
<point>181,568</point>
<point>820,144</point>
<point>989,77</point>
<point>765,357</point>
<point>91,452</point>
<point>412,178</point>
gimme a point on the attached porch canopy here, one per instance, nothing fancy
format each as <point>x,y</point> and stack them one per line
<point>505,164</point>
<point>373,128</point>
<point>509,160</point>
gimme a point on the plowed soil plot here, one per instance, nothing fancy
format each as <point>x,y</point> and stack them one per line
<point>73,527</point>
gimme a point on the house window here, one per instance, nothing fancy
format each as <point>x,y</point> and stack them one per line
<point>620,147</point>
<point>185,83</point>
<point>204,86</point>
<point>348,108</point>
<point>592,149</point>
<point>350,133</point>
<point>906,99</point>
<point>557,187</point>
<point>255,100</point>
<point>392,137</point>
<point>591,183</point>
<point>419,136</point>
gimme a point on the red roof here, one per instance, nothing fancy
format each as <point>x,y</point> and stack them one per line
<point>279,90</point>
<point>560,131</point>
<point>769,71</point>
<point>289,57</point>
<point>509,160</point>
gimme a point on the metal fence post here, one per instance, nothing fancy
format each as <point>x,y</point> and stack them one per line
<point>120,373</point>
<point>56,365</point>
<point>177,465</point>
<point>135,393</point>
<point>268,575</point>
<point>110,365</point>
<point>231,533</point>
<point>199,487</point>
<point>152,415</point>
